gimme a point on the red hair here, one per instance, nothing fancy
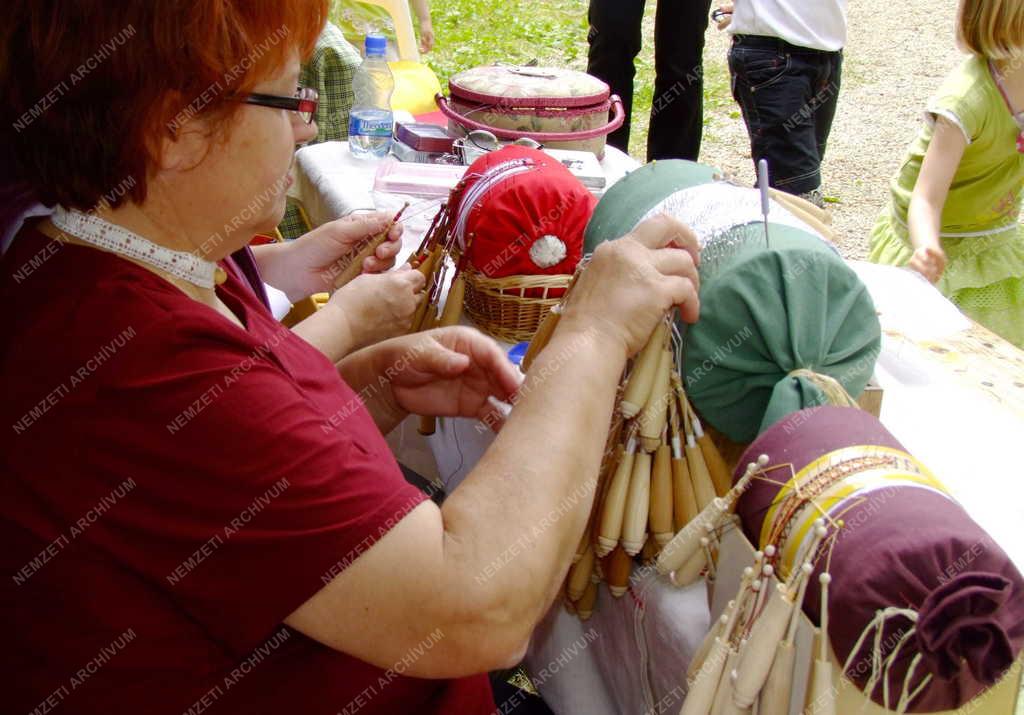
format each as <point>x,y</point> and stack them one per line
<point>92,86</point>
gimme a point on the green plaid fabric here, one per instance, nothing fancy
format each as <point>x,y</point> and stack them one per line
<point>329,71</point>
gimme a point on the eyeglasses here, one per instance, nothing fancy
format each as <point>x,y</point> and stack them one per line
<point>304,102</point>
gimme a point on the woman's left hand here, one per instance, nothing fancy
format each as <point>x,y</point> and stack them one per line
<point>445,372</point>
<point>309,264</point>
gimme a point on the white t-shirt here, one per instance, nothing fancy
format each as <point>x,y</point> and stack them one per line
<point>818,24</point>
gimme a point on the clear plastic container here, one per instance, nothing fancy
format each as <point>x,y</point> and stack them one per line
<point>371,121</point>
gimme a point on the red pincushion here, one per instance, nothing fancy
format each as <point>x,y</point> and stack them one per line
<point>516,199</point>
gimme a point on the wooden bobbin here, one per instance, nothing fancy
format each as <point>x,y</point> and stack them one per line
<point>701,695</point>
<point>691,570</point>
<point>613,509</point>
<point>778,688</point>
<point>716,631</point>
<point>452,312</point>
<point>655,413</point>
<point>687,542</point>
<point>650,550</point>
<point>662,496</point>
<point>638,502</point>
<point>684,501</point>
<point>430,264</point>
<point>721,477</point>
<point>703,487</point>
<point>585,606</point>
<point>579,575</point>
<point>723,704</point>
<point>421,311</point>
<point>617,568</point>
<point>355,266</point>
<point>756,662</point>
<point>820,697</point>
<point>641,378</point>
<point>542,337</point>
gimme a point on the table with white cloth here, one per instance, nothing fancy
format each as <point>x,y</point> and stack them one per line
<point>953,395</point>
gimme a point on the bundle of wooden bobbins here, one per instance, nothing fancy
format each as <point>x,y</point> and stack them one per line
<point>437,258</point>
<point>659,471</point>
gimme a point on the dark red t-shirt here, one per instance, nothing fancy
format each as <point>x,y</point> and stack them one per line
<point>173,487</point>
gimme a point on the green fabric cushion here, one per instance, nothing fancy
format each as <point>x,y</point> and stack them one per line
<point>626,202</point>
<point>766,311</point>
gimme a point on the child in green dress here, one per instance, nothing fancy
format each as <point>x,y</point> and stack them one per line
<point>953,215</point>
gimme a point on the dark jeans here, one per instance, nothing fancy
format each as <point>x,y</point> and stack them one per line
<point>788,98</point>
<point>677,107</point>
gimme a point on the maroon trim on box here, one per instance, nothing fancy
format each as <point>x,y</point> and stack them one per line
<point>458,106</point>
<point>461,92</point>
<point>616,121</point>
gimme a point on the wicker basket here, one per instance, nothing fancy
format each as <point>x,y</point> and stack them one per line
<point>511,308</point>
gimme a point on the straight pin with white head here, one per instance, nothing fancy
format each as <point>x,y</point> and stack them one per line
<point>762,185</point>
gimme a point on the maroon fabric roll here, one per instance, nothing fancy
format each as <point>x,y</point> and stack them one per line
<point>905,547</point>
<point>800,438</point>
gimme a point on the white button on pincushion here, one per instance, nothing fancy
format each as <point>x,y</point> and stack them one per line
<point>547,251</point>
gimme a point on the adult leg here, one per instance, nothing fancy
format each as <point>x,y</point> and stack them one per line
<point>677,109</point>
<point>826,98</point>
<point>615,42</point>
<point>774,89</point>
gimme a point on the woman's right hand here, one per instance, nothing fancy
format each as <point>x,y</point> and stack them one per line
<point>630,283</point>
<point>379,306</point>
<point>929,261</point>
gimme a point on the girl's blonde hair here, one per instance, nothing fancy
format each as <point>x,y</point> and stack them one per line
<point>993,29</point>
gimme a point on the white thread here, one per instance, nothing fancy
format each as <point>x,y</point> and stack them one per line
<point>490,178</point>
<point>878,667</point>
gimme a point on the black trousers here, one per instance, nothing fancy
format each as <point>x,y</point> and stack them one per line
<point>677,120</point>
<point>788,97</point>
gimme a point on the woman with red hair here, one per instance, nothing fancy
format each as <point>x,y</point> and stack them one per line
<point>197,509</point>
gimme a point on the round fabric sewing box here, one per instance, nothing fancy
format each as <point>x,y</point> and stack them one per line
<point>517,219</point>
<point>560,108</point>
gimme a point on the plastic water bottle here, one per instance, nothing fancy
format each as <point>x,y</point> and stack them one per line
<point>370,121</point>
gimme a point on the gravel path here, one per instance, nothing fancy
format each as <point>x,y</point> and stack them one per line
<point>896,56</point>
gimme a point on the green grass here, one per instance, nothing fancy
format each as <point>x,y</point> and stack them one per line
<point>553,32</point>
<point>478,32</point>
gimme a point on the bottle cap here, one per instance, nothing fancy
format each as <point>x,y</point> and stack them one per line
<point>376,45</point>
<point>518,352</point>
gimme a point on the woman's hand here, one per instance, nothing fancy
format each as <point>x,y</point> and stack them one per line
<point>445,372</point>
<point>632,282</point>
<point>929,261</point>
<point>310,263</point>
<point>366,310</point>
<point>450,372</point>
<point>377,307</point>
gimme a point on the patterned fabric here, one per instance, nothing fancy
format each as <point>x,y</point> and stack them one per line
<point>329,71</point>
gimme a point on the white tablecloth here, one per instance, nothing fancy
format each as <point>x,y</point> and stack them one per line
<point>632,655</point>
